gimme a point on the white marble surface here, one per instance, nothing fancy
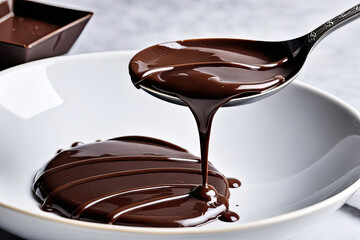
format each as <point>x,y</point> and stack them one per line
<point>334,65</point>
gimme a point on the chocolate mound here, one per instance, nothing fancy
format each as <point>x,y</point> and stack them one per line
<point>132,181</point>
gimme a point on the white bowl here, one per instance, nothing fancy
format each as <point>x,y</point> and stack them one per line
<point>297,152</point>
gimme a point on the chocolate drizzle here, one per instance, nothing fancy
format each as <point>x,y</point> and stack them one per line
<point>140,182</point>
<point>205,74</point>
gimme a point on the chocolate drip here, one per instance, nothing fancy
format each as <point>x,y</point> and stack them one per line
<point>229,217</point>
<point>75,144</point>
<point>141,182</point>
<point>207,73</point>
<point>233,182</point>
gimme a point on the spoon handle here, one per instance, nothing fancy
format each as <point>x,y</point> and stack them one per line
<point>343,18</point>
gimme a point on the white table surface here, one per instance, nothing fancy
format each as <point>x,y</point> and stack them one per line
<point>333,66</point>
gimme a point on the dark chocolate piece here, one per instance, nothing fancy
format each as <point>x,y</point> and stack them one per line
<point>133,181</point>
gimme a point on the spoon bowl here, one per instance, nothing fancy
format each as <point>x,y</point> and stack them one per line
<point>263,58</point>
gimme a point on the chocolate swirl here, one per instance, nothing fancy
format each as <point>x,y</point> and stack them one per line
<point>133,181</point>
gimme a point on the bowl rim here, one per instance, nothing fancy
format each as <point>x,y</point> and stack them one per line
<point>340,197</point>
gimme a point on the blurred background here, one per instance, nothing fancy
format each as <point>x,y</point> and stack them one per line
<point>333,66</point>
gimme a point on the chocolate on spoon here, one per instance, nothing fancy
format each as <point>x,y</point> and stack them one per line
<point>242,71</point>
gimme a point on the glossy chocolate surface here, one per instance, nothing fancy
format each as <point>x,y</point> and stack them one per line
<point>209,69</point>
<point>204,74</point>
<point>24,30</point>
<point>133,181</point>
<point>207,73</point>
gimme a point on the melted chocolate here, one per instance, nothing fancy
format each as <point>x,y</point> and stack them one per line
<point>229,217</point>
<point>148,182</point>
<point>133,181</point>
<point>233,182</point>
<point>207,73</point>
<point>24,30</point>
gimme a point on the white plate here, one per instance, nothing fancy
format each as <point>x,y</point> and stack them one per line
<point>297,152</point>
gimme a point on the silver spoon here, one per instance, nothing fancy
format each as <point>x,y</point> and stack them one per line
<point>298,49</point>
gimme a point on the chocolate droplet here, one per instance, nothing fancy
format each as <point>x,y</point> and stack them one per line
<point>229,216</point>
<point>75,144</point>
<point>233,182</point>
